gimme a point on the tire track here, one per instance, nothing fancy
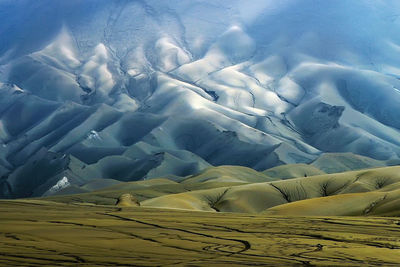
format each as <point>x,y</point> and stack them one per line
<point>245,243</point>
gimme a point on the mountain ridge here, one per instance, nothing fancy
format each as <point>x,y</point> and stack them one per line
<point>186,91</point>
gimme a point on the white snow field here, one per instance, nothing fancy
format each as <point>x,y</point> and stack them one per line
<point>131,90</point>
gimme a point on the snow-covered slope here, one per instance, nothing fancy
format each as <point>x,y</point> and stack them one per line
<point>139,89</point>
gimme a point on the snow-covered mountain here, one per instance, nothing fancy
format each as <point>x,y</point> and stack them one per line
<point>139,89</point>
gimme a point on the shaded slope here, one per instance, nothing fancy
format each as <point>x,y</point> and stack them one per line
<point>341,162</point>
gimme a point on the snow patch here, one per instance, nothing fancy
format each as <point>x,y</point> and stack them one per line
<point>61,184</point>
<point>95,73</point>
<point>18,89</point>
<point>235,45</point>
<point>132,72</point>
<point>63,50</point>
<point>170,55</point>
<point>126,104</point>
<point>93,135</point>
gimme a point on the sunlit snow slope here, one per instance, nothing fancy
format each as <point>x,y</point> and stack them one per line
<point>139,89</point>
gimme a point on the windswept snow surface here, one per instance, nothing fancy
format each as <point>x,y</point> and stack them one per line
<point>135,89</point>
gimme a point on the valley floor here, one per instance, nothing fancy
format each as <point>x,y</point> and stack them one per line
<point>40,233</point>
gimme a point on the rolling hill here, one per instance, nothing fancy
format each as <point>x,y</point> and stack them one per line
<point>367,192</point>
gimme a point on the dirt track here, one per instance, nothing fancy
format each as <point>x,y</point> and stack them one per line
<point>45,233</point>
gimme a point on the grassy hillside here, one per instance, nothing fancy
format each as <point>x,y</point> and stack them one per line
<point>40,233</point>
<point>240,189</point>
<point>210,178</point>
<point>359,204</point>
<point>293,171</point>
<point>375,189</point>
